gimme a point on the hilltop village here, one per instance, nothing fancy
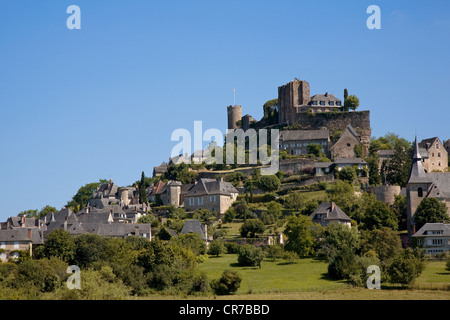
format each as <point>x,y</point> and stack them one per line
<point>332,172</point>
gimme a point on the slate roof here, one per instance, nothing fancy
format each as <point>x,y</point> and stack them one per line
<point>349,161</point>
<point>323,164</point>
<point>427,143</point>
<point>434,227</point>
<point>332,214</point>
<point>123,229</point>
<point>211,186</point>
<point>300,135</point>
<point>324,97</point>
<point>193,226</point>
<point>12,235</point>
<point>417,173</point>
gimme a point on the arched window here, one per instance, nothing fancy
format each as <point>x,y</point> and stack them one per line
<point>420,192</point>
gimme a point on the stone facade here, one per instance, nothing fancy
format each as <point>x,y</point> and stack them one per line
<point>385,194</point>
<point>437,155</point>
<point>345,146</point>
<point>296,142</point>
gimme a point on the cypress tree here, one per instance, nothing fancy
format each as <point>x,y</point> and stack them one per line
<point>142,190</point>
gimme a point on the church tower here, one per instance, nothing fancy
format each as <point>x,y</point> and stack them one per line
<point>417,188</point>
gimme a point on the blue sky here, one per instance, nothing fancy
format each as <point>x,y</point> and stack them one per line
<point>102,102</point>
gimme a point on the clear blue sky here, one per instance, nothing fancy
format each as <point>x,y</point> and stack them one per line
<point>102,102</point>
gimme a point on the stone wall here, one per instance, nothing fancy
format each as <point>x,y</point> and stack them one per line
<point>359,120</point>
<point>385,193</point>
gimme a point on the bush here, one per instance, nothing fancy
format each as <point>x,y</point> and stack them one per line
<point>216,248</point>
<point>252,227</point>
<point>250,256</point>
<point>229,283</point>
<point>274,252</point>
<point>406,267</point>
<point>269,183</point>
<point>232,247</point>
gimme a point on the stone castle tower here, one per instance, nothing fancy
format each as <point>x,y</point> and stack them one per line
<point>290,95</point>
<point>234,115</point>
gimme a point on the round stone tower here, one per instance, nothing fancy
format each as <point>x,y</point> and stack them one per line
<point>234,115</point>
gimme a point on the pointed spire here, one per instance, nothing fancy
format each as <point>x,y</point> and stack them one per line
<point>417,174</point>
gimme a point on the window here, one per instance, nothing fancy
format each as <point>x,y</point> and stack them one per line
<point>212,199</point>
<point>191,201</point>
<point>16,245</point>
<point>331,103</point>
<point>200,201</point>
<point>322,103</point>
<point>323,109</point>
<point>420,192</point>
<point>439,154</point>
<point>338,103</point>
<point>314,103</point>
<point>437,241</point>
<point>437,145</point>
<point>432,154</point>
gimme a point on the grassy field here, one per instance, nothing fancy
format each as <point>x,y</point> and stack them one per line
<point>306,275</point>
<point>306,280</point>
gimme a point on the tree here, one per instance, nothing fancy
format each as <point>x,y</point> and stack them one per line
<point>314,149</point>
<point>374,173</point>
<point>229,283</point>
<point>347,174</point>
<point>396,171</point>
<point>400,210</point>
<point>192,241</point>
<point>270,109</point>
<point>406,267</point>
<point>148,218</point>
<point>216,248</point>
<point>230,215</point>
<point>252,227</point>
<point>60,244</point>
<point>269,183</point>
<point>300,236</point>
<point>81,198</point>
<point>274,252</point>
<point>337,238</point>
<point>351,103</point>
<point>274,210</point>
<point>46,210</point>
<point>249,255</point>
<point>343,195</point>
<point>430,210</point>
<point>378,215</point>
<point>345,94</point>
<point>385,242</point>
<point>142,190</point>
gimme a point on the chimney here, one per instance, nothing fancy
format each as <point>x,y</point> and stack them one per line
<point>29,234</point>
<point>23,221</point>
<point>136,230</point>
<point>65,223</point>
<point>53,216</point>
<point>332,205</point>
<point>8,224</point>
<point>414,229</point>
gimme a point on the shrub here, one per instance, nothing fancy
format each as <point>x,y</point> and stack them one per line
<point>250,256</point>
<point>232,247</point>
<point>229,283</point>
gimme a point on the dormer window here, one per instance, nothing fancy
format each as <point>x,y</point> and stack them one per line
<point>314,103</point>
<point>322,103</point>
<point>331,103</point>
<point>338,103</point>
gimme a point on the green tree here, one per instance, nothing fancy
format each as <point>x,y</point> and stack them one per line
<point>269,183</point>
<point>81,198</point>
<point>406,267</point>
<point>251,227</point>
<point>270,109</point>
<point>60,244</point>
<point>31,213</point>
<point>216,248</point>
<point>192,241</point>
<point>229,283</point>
<point>142,190</point>
<point>374,173</point>
<point>314,149</point>
<point>274,252</point>
<point>396,171</point>
<point>300,235</point>
<point>274,210</point>
<point>89,249</point>
<point>345,94</point>
<point>378,215</point>
<point>230,215</point>
<point>385,242</point>
<point>337,238</point>
<point>249,255</point>
<point>430,210</point>
<point>347,174</point>
<point>400,210</point>
<point>351,103</point>
<point>46,210</point>
<point>148,218</point>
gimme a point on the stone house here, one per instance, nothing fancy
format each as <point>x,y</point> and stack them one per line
<point>345,146</point>
<point>19,239</point>
<point>160,170</point>
<point>434,154</point>
<point>166,193</point>
<point>328,213</point>
<point>214,195</point>
<point>384,156</point>
<point>433,237</point>
<point>296,142</point>
<point>359,163</point>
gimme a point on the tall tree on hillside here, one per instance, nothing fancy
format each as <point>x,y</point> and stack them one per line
<point>430,210</point>
<point>142,190</point>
